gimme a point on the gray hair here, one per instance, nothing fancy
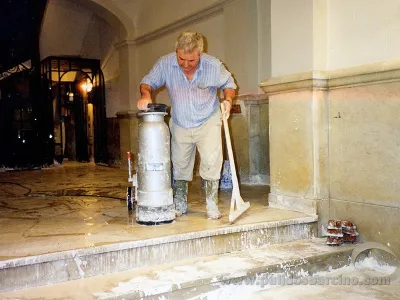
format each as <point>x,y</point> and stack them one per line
<point>190,40</point>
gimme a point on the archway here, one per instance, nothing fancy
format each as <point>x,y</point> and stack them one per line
<point>73,89</point>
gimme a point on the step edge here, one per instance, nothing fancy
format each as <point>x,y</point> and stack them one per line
<point>226,277</point>
<point>70,254</point>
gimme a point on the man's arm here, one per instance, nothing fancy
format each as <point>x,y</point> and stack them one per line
<point>229,94</point>
<point>152,81</point>
<point>145,92</point>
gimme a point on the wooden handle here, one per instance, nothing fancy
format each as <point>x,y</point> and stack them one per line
<point>230,152</point>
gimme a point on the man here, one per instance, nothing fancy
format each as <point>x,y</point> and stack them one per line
<point>192,79</point>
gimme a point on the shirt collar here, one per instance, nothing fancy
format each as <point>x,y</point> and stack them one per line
<point>200,67</point>
<point>175,60</point>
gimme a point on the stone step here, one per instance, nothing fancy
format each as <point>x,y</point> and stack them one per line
<point>190,277</point>
<point>51,268</point>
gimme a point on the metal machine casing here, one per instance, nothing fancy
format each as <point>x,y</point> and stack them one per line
<point>154,193</point>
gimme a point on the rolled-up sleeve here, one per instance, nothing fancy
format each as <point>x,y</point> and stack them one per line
<point>155,78</point>
<point>226,80</point>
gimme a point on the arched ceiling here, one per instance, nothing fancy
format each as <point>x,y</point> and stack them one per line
<point>21,20</point>
<point>112,14</point>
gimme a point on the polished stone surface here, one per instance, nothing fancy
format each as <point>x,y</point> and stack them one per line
<point>75,206</point>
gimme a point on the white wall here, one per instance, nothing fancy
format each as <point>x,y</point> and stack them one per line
<point>150,15</point>
<point>241,42</point>
<point>264,39</point>
<point>292,36</point>
<point>332,34</point>
<point>362,31</point>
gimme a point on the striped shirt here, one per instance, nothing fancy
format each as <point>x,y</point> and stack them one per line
<point>192,102</point>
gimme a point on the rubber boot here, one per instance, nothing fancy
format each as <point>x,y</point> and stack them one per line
<point>180,197</point>
<point>211,189</point>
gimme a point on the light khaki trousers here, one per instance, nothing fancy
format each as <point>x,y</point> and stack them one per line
<point>207,139</point>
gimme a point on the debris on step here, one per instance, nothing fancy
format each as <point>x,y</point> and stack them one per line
<point>339,232</point>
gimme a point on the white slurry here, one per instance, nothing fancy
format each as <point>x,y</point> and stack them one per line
<point>371,263</point>
<point>259,291</point>
<point>147,287</point>
<point>212,270</point>
<point>231,291</point>
<point>79,264</point>
<point>163,281</point>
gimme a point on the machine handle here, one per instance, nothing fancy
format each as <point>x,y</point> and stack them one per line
<point>156,107</point>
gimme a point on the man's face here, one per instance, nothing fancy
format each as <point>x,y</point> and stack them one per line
<point>188,61</point>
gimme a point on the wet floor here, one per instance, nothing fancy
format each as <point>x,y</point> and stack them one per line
<point>363,282</point>
<point>81,205</point>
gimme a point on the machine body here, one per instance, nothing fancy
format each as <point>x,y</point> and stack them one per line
<point>153,191</point>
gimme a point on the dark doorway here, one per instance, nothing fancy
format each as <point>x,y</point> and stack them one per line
<point>75,86</point>
<point>24,130</point>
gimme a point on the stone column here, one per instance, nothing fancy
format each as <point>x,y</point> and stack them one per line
<point>298,111</point>
<point>128,124</point>
<point>250,138</point>
<point>129,94</point>
<point>128,66</point>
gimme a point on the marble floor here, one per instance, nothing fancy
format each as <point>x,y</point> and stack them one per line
<point>78,206</point>
<point>82,205</point>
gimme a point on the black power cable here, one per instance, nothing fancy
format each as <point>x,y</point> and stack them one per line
<point>20,185</point>
<point>30,194</point>
<point>75,195</point>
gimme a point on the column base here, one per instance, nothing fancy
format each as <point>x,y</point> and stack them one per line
<point>304,205</point>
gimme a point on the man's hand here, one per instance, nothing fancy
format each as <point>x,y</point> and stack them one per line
<point>229,94</point>
<point>145,92</point>
<point>142,103</point>
<point>227,108</point>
